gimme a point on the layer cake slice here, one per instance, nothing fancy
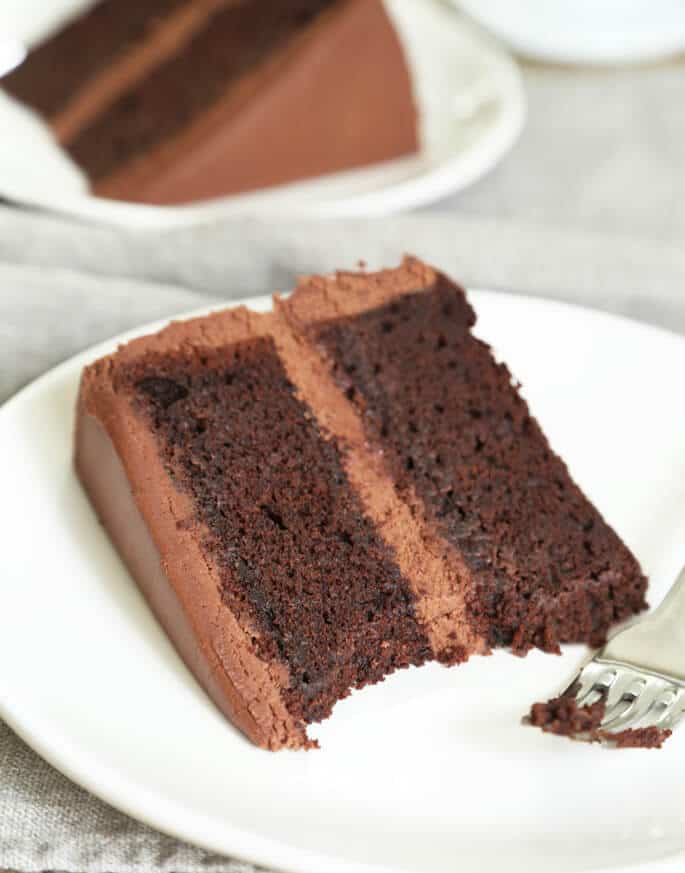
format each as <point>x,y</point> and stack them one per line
<point>169,101</point>
<point>313,498</point>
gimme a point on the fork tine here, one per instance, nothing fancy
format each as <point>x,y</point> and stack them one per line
<point>640,707</point>
<point>594,682</point>
<point>665,705</point>
<point>673,714</point>
<point>592,697</point>
<point>671,723</point>
<point>639,675</point>
<point>580,686</point>
<point>586,678</point>
<point>620,696</point>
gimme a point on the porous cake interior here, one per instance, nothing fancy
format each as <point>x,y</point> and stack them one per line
<point>299,561</point>
<point>462,448</point>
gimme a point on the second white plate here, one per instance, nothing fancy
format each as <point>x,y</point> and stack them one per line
<point>470,101</point>
<point>429,771</point>
<point>585,31</point>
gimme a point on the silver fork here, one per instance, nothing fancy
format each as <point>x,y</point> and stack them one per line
<point>641,671</point>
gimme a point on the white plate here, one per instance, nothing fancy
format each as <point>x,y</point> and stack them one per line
<point>430,771</point>
<point>471,107</point>
<point>585,31</point>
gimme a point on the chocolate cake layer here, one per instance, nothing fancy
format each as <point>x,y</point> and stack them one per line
<point>299,578</point>
<point>464,451</point>
<point>233,42</point>
<point>295,553</point>
<point>56,69</point>
<point>336,95</point>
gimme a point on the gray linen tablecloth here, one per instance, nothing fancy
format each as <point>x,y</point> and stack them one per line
<point>64,286</point>
<point>601,152</point>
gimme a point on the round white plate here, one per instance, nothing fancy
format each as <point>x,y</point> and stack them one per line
<point>585,31</point>
<point>471,107</point>
<point>430,771</point>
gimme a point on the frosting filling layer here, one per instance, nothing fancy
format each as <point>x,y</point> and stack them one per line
<point>233,42</point>
<point>58,68</point>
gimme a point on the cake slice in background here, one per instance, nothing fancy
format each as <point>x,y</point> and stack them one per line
<point>313,498</point>
<point>171,101</point>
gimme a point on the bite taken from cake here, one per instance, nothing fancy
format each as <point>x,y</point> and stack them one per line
<point>350,484</point>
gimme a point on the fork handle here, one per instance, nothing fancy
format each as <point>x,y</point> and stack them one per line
<point>657,642</point>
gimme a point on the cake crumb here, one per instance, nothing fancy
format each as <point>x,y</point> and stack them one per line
<point>563,716</point>
<point>639,738</point>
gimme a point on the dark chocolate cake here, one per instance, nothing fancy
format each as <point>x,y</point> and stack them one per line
<point>538,564</point>
<point>563,716</point>
<point>167,101</point>
<point>313,498</point>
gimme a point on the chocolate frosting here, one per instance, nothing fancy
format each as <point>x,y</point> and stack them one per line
<point>452,609</point>
<point>95,94</point>
<point>153,526</point>
<point>337,96</point>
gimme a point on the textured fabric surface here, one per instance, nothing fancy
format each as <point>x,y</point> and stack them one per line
<point>64,287</point>
<point>601,152</point>
<point>47,823</point>
<point>621,273</point>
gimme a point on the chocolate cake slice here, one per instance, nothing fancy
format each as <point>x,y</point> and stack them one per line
<point>168,101</point>
<point>537,563</point>
<point>313,498</point>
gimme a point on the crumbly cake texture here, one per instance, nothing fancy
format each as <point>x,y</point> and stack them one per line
<point>564,717</point>
<point>176,100</point>
<point>92,41</point>
<point>280,520</point>
<point>639,738</point>
<point>540,564</point>
<point>315,497</point>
